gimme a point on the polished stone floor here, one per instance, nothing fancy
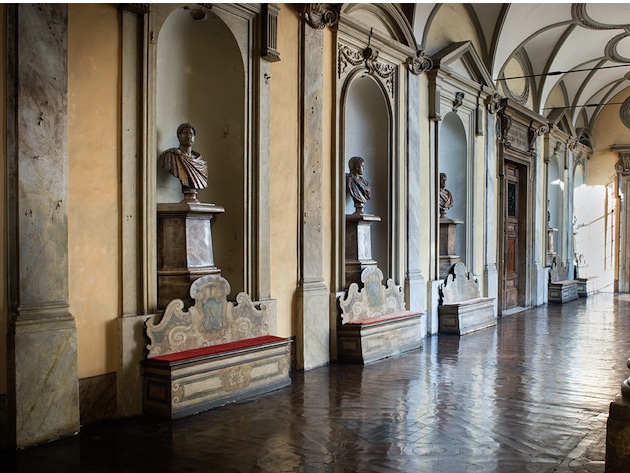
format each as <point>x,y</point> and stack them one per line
<point>530,395</point>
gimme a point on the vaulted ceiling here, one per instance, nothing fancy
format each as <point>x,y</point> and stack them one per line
<point>582,49</point>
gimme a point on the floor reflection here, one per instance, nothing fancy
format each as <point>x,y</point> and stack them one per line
<point>531,394</point>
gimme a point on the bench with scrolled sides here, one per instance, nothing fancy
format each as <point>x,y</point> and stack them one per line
<point>561,288</point>
<point>374,322</point>
<point>215,353</point>
<point>461,309</point>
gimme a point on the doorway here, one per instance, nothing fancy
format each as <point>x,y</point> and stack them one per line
<point>515,214</point>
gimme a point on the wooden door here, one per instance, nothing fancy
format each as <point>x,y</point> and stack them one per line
<point>511,237</point>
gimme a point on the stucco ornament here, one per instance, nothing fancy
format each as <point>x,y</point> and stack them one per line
<point>321,15</point>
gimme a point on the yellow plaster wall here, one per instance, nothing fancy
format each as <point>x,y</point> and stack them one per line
<point>4,311</point>
<point>555,98</point>
<point>608,130</point>
<point>451,24</point>
<point>285,169</point>
<point>93,182</point>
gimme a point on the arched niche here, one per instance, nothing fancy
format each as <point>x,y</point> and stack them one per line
<point>555,197</point>
<point>452,161</point>
<point>201,80</point>
<point>366,133</point>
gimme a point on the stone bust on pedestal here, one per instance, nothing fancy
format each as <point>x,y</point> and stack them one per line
<point>446,198</point>
<point>356,185</point>
<point>186,164</point>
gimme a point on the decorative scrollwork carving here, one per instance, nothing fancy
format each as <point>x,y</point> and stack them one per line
<point>572,144</point>
<point>369,59</point>
<point>458,101</point>
<point>419,63</point>
<point>493,103</point>
<point>348,56</point>
<point>321,15</point>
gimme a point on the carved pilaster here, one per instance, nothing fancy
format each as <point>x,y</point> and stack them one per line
<point>321,15</point>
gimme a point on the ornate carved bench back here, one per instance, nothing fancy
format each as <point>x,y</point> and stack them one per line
<point>374,300</point>
<point>459,286</point>
<point>211,321</point>
<point>558,272</point>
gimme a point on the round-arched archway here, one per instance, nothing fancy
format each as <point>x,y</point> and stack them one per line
<point>453,162</point>
<point>201,80</point>
<point>366,134</point>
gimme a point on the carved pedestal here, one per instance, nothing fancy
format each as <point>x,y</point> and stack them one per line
<point>551,253</point>
<point>448,240</point>
<point>358,245</point>
<point>184,248</point>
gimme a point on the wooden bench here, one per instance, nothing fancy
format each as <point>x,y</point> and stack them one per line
<point>215,353</point>
<point>374,322</point>
<point>461,309</point>
<point>561,288</point>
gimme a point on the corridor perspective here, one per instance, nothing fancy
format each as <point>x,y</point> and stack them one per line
<point>529,395</point>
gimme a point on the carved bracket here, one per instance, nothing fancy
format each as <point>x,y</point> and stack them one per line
<point>458,101</point>
<point>369,59</point>
<point>504,125</point>
<point>321,15</point>
<point>270,32</point>
<point>493,103</point>
<point>419,63</point>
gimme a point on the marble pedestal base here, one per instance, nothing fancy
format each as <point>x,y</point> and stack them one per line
<point>448,248</point>
<point>370,342</point>
<point>184,248</point>
<point>358,245</point>
<point>465,317</point>
<point>585,286</point>
<point>563,291</point>
<point>618,436</point>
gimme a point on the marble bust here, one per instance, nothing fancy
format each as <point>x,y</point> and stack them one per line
<point>356,185</point>
<point>446,198</point>
<point>186,164</point>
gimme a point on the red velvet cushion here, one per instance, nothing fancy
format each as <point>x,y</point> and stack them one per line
<point>214,349</point>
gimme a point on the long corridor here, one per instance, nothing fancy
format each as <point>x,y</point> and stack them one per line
<point>530,395</point>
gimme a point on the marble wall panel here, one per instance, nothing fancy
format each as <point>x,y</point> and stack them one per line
<point>97,397</point>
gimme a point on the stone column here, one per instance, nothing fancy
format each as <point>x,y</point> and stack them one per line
<point>415,285</point>
<point>490,271</point>
<point>313,328</point>
<point>43,387</point>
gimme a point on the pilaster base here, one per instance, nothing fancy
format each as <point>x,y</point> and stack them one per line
<point>131,351</point>
<point>43,397</point>
<point>313,337</point>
